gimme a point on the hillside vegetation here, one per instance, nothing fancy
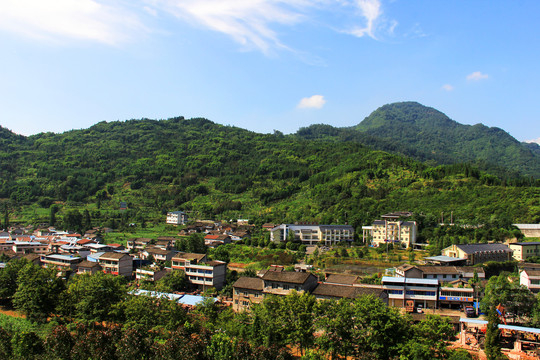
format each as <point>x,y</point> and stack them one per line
<point>225,172</point>
<point>426,134</point>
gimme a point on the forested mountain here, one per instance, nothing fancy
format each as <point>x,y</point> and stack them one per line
<point>429,135</point>
<point>227,172</point>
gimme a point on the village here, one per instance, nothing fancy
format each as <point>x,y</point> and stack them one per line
<point>448,284</point>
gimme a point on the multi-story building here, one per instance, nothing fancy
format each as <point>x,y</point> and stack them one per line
<point>177,218</point>
<point>60,262</point>
<point>157,254</point>
<point>90,267</point>
<point>199,271</point>
<point>28,247</point>
<point>423,292</point>
<point>313,234</point>
<point>252,290</point>
<point>478,253</point>
<point>391,230</point>
<point>524,250</point>
<point>116,263</point>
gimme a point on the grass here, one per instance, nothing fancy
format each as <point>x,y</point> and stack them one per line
<point>152,232</point>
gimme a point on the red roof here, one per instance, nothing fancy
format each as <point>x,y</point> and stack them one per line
<point>85,241</point>
<point>211,237</point>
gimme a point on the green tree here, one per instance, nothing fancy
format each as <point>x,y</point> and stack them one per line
<point>37,292</point>
<point>492,343</point>
<point>515,298</point>
<point>429,340</point>
<point>9,278</point>
<point>91,297</point>
<point>26,345</point>
<point>59,343</point>
<point>173,281</point>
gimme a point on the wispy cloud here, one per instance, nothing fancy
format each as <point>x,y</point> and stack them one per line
<point>476,76</point>
<point>370,10</point>
<point>255,24</point>
<point>74,19</point>
<point>447,87</point>
<point>313,102</point>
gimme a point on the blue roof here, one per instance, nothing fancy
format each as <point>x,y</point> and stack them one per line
<point>191,300</point>
<point>62,257</point>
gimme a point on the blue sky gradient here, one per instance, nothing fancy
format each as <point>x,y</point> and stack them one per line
<point>267,64</point>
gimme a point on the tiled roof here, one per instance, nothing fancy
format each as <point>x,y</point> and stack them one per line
<point>249,283</point>
<point>341,279</point>
<point>112,255</point>
<point>287,276</point>
<point>438,269</point>
<point>341,291</point>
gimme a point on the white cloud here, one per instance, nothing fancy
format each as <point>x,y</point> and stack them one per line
<point>476,76</point>
<point>73,19</point>
<point>248,22</point>
<point>447,87</point>
<point>533,141</point>
<point>313,102</point>
<point>370,10</point>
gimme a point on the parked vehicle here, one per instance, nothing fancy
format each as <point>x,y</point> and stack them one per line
<point>470,311</point>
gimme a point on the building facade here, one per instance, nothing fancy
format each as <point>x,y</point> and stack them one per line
<point>313,234</point>
<point>177,218</point>
<point>199,271</point>
<point>524,250</point>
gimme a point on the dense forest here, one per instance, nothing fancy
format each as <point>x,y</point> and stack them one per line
<point>224,172</point>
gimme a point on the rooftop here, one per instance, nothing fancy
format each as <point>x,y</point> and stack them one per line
<point>249,283</point>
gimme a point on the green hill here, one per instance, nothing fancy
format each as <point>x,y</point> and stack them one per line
<point>225,172</point>
<point>426,134</point>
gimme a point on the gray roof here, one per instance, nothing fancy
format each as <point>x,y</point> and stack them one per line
<point>341,279</point>
<point>475,248</point>
<point>249,283</point>
<point>526,243</point>
<point>341,291</point>
<point>287,276</point>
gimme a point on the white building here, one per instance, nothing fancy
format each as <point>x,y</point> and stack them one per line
<point>177,218</point>
<point>313,234</point>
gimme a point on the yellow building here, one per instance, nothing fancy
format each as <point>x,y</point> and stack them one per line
<point>524,250</point>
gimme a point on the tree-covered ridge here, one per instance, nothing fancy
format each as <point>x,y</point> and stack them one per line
<point>227,172</point>
<point>426,134</point>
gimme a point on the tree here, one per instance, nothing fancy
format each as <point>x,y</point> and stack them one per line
<point>59,343</point>
<point>91,296</point>
<point>134,344</point>
<point>173,281</point>
<point>37,292</point>
<point>9,278</point>
<point>26,345</point>
<point>515,298</point>
<point>429,340</point>
<point>52,215</point>
<point>492,344</point>
<point>5,344</point>
<point>336,338</point>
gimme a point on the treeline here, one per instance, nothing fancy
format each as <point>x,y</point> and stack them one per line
<point>95,317</point>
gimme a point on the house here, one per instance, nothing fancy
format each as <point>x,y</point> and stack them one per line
<point>239,235</point>
<point>116,263</point>
<point>422,292</point>
<point>199,271</point>
<point>409,271</point>
<point>211,239</point>
<point>94,248</point>
<point>524,250</point>
<point>268,226</point>
<point>455,296</point>
<point>138,243</point>
<point>90,267</point>
<point>313,234</point>
<point>479,253</point>
<point>177,218</point>
<point>60,262</point>
<point>150,273</point>
<point>247,291</point>
<point>530,279</point>
<point>391,229</point>
<point>283,282</point>
<point>442,273</point>
<point>157,254</point>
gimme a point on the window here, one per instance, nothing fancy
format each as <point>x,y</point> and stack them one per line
<point>285,287</point>
<point>245,303</point>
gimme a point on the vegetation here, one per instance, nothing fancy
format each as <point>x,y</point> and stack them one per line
<point>78,179</point>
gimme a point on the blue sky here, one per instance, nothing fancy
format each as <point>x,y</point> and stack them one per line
<point>267,64</point>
